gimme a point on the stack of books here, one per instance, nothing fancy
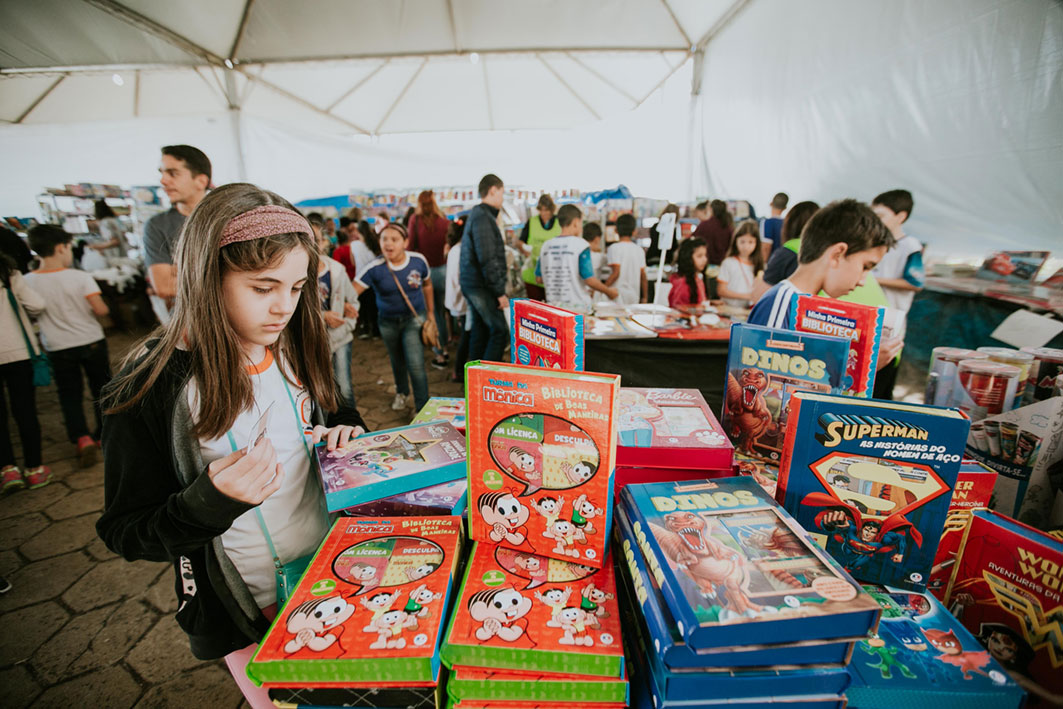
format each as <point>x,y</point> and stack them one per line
<point>367,615</point>
<point>443,408</point>
<point>668,435</point>
<point>732,602</point>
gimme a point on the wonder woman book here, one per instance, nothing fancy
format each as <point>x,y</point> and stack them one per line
<point>973,491</point>
<point>860,324</point>
<point>669,428</point>
<point>481,683</point>
<point>542,447</point>
<point>659,629</point>
<point>921,657</point>
<point>518,611</point>
<point>871,480</point>
<point>764,368</point>
<point>369,608</point>
<point>385,463</point>
<point>443,499</point>
<point>441,408</point>
<point>545,336</point>
<point>735,569</point>
<point>1006,590</point>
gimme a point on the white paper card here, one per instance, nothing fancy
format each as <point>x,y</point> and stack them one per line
<point>1025,329</point>
<point>665,231</point>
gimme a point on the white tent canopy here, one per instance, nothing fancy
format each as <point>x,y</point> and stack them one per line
<point>960,101</point>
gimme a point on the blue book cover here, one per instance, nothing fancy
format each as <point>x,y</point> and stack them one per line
<point>764,368</point>
<point>872,481</point>
<point>922,656</point>
<point>735,569</point>
<point>663,638</point>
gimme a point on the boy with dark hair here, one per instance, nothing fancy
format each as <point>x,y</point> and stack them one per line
<point>70,333</point>
<point>628,261</point>
<point>900,272</point>
<point>771,227</point>
<point>565,266</point>
<point>482,273</point>
<point>839,245</point>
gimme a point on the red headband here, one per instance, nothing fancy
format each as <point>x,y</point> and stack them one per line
<point>264,221</point>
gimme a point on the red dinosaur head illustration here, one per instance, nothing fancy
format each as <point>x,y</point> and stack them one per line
<point>945,641</point>
<point>689,528</point>
<point>753,382</point>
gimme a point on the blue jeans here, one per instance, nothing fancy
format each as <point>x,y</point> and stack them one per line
<point>489,333</point>
<point>341,369</point>
<point>402,337</point>
<point>438,275</point>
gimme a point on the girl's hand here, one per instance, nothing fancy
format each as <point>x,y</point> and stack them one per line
<point>248,477</point>
<point>332,319</point>
<point>336,436</point>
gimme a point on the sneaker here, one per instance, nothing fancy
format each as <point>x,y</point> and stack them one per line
<point>363,336</point>
<point>440,363</point>
<point>38,477</point>
<point>12,479</point>
<point>399,403</point>
<point>87,449</point>
<point>5,585</point>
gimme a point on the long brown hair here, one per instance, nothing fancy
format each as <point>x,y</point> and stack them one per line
<point>201,326</point>
<point>749,227</point>
<point>429,209</point>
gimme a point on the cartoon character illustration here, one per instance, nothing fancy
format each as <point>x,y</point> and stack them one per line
<point>579,473</point>
<point>565,534</point>
<point>583,511</point>
<point>416,574</point>
<point>533,566</point>
<point>907,634</point>
<point>634,426</point>
<point>556,599</point>
<point>839,480</point>
<point>419,600</point>
<point>378,604</point>
<point>523,462</point>
<point>1007,647</point>
<point>500,612</point>
<point>365,574</point>
<point>594,599</point>
<point>549,508</point>
<point>953,654</point>
<point>709,564</point>
<point>708,437</point>
<point>318,625</point>
<point>575,623</point>
<point>876,646</point>
<point>389,627</point>
<point>855,541</point>
<point>748,411</point>
<point>781,544</point>
<point>505,515</point>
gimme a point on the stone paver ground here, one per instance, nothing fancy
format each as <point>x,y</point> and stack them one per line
<point>82,626</point>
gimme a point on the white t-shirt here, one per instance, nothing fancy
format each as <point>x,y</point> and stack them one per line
<point>902,261</point>
<point>294,514</point>
<point>454,300</point>
<point>564,263</point>
<point>361,255</point>
<point>739,277</point>
<point>631,259</point>
<point>69,320</point>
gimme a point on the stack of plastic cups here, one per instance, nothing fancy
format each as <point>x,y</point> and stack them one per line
<point>1023,360</point>
<point>942,378</point>
<point>985,388</point>
<point>1046,367</point>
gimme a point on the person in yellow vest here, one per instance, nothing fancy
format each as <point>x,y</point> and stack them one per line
<point>537,232</point>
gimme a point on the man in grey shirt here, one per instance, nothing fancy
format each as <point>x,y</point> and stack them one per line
<point>185,174</point>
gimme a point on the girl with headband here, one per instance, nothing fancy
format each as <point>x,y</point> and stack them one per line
<point>209,429</point>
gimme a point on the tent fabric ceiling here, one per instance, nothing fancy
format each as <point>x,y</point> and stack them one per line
<point>346,66</point>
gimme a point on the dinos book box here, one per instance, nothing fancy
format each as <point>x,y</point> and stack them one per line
<point>519,611</point>
<point>442,408</point>
<point>764,368</point>
<point>666,645</point>
<point>973,491</point>
<point>545,335</point>
<point>860,324</point>
<point>922,657</point>
<point>442,499</point>
<point>1007,589</point>
<point>871,481</point>
<point>384,463</point>
<point>542,447</point>
<point>735,569</point>
<point>369,609</point>
<point>481,683</point>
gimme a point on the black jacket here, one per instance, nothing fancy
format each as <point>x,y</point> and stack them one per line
<point>160,505</point>
<point>483,253</point>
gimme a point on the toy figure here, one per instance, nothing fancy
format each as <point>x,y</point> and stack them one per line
<point>499,612</point>
<point>854,541</point>
<point>876,646</point>
<point>549,508</point>
<point>574,622</point>
<point>556,599</point>
<point>953,654</point>
<point>505,515</point>
<point>317,626</point>
<point>389,627</point>
<point>583,511</point>
<point>564,533</point>
<point>708,563</point>
<point>748,411</point>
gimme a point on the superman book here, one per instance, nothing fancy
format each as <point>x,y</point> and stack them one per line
<point>542,445</point>
<point>519,611</point>
<point>443,408</point>
<point>921,657</point>
<point>442,499</point>
<point>545,336</point>
<point>369,609</point>
<point>735,569</point>
<point>974,490</point>
<point>385,463</point>
<point>1006,590</point>
<point>764,368</point>
<point>669,428</point>
<point>860,324</point>
<point>871,481</point>
<point>482,683</point>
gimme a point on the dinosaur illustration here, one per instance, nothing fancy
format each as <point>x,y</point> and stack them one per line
<point>749,413</point>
